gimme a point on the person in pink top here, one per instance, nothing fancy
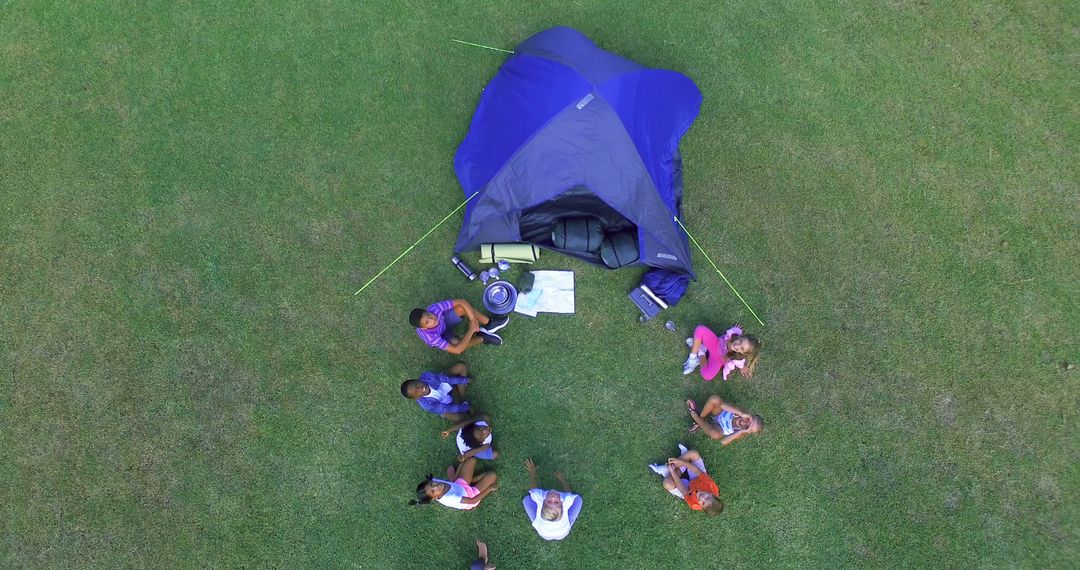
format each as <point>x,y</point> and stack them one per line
<point>726,353</point>
<point>463,489</point>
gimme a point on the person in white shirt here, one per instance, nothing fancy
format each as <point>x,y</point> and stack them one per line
<point>473,438</point>
<point>552,512</point>
<point>463,491</point>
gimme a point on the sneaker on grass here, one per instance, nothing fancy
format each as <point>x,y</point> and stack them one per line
<point>495,324</point>
<point>691,363</point>
<point>490,338</point>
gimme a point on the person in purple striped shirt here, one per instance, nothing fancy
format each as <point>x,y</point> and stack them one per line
<point>435,326</point>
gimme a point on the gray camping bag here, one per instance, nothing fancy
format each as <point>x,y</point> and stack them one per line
<point>577,234</point>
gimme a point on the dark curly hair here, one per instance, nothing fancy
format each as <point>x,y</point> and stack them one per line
<point>415,316</point>
<point>468,435</point>
<point>421,496</point>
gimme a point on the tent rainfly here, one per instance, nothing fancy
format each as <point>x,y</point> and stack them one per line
<point>568,130</point>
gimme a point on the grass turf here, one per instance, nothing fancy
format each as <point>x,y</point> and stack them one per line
<point>191,192</point>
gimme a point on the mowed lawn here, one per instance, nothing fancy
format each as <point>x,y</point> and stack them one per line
<point>190,192</point>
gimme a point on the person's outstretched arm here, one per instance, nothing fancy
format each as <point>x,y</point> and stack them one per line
<point>730,438</point>
<point>531,468</point>
<point>446,432</point>
<point>562,481</point>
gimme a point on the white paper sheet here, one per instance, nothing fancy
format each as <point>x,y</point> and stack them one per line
<point>552,292</point>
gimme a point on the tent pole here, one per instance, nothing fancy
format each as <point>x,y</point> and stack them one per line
<point>481,46</point>
<point>718,270</point>
<point>372,280</point>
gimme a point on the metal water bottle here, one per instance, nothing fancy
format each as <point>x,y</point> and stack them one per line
<point>463,267</point>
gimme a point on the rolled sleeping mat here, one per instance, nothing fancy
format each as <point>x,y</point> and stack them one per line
<point>620,249</point>
<point>577,234</point>
<point>512,252</point>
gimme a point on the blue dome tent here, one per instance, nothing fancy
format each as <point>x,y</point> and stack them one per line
<point>566,129</point>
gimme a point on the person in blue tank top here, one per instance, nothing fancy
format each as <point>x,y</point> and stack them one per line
<point>720,420</point>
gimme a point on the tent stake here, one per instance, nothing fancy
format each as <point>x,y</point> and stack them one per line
<point>718,270</point>
<point>372,280</point>
<point>481,46</point>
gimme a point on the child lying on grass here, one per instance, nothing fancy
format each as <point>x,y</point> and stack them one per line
<point>464,491</point>
<point>713,353</point>
<point>685,477</point>
<point>728,422</point>
<point>441,393</point>
<point>473,438</point>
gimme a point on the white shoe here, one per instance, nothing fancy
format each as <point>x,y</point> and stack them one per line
<point>690,342</point>
<point>691,364</point>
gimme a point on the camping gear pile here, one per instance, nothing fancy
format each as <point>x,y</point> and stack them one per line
<point>571,146</point>
<point>576,150</point>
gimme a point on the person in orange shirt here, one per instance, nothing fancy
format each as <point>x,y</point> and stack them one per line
<point>685,477</point>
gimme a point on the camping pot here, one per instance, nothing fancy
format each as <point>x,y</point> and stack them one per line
<point>500,297</point>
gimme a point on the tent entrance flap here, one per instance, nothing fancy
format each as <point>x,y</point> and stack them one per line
<point>537,222</point>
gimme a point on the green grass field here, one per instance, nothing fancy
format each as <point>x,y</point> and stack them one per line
<point>190,192</point>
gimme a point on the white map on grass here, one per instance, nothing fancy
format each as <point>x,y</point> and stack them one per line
<point>552,292</point>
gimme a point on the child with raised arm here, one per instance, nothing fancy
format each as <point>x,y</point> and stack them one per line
<point>473,438</point>
<point>463,491</point>
<point>685,477</point>
<point>552,512</point>
<point>715,354</point>
<point>727,423</point>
